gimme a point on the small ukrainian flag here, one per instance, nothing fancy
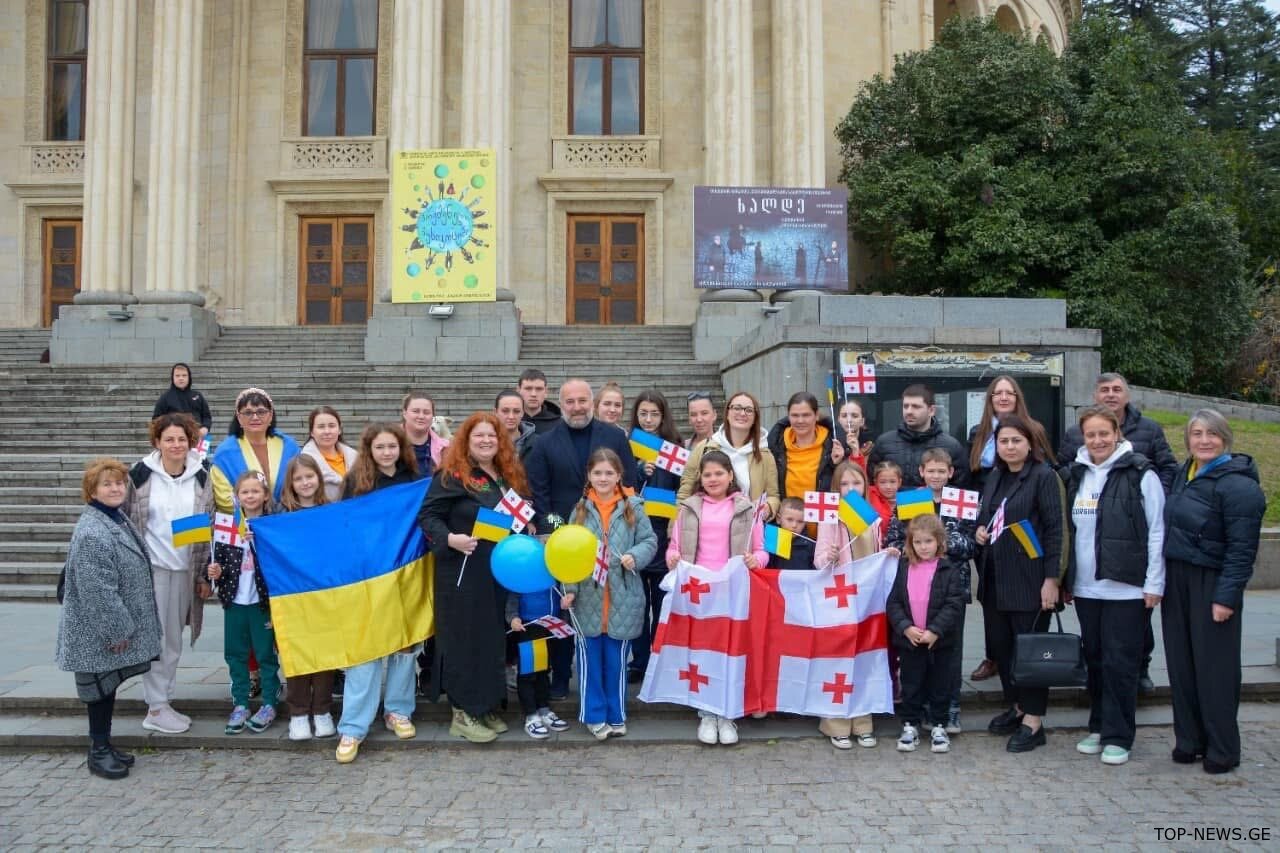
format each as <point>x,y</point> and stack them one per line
<point>191,530</point>
<point>659,503</point>
<point>533,656</point>
<point>1026,536</point>
<point>856,513</point>
<point>915,502</point>
<point>778,541</point>
<point>645,446</point>
<point>491,525</point>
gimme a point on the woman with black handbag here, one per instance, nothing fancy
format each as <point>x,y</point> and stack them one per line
<point>1117,573</point>
<point>1018,584</point>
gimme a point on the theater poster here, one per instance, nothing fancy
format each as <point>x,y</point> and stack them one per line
<point>444,235</point>
<point>771,237</point>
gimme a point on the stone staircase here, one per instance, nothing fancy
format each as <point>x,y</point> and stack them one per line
<point>52,419</point>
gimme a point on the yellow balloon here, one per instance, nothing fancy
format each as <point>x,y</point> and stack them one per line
<point>571,553</point>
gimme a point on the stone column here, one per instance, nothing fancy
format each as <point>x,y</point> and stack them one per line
<point>173,165</point>
<point>108,143</point>
<point>417,86</point>
<point>886,37</point>
<point>486,102</point>
<point>728,83</point>
<point>799,125</point>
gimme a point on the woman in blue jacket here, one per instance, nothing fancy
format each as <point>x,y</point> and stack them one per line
<point>1212,518</point>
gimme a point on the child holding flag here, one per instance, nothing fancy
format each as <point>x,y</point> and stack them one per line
<point>609,611</point>
<point>886,480</point>
<point>924,608</point>
<point>936,470</point>
<point>246,614</point>
<point>652,415</point>
<point>836,546</point>
<point>787,545</point>
<point>534,687</point>
<point>385,458</point>
<point>310,696</point>
<point>713,524</point>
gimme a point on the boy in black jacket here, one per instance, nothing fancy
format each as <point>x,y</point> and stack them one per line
<point>791,517</point>
<point>923,609</point>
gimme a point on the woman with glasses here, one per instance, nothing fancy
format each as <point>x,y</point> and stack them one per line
<point>252,444</point>
<point>740,438</point>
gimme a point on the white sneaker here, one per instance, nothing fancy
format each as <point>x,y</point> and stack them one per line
<point>841,742</point>
<point>910,738</point>
<point>938,740</point>
<point>324,726</point>
<point>186,721</point>
<point>728,731</point>
<point>708,732</point>
<point>163,719</point>
<point>1091,745</point>
<point>867,741</point>
<point>300,728</point>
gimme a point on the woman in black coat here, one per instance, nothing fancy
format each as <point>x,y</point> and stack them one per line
<point>1212,518</point>
<point>803,432</point>
<point>181,397</point>
<point>470,650</point>
<point>1019,591</point>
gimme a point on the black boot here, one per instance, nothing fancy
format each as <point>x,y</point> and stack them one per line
<point>125,758</point>
<point>102,762</point>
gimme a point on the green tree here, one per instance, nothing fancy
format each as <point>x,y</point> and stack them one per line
<point>988,166</point>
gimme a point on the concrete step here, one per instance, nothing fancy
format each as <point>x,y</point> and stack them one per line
<point>35,532</point>
<point>45,495</point>
<point>42,593</point>
<point>34,552</point>
<point>35,575</point>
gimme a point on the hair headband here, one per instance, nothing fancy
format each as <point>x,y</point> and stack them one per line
<point>246,392</point>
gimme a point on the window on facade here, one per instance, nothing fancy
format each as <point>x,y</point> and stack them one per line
<point>67,53</point>
<point>606,66</point>
<point>340,65</point>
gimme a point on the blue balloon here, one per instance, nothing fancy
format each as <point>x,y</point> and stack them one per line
<point>517,563</point>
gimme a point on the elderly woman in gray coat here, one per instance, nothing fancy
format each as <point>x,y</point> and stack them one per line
<point>109,630</point>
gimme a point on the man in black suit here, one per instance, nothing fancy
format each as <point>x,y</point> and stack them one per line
<point>557,470</point>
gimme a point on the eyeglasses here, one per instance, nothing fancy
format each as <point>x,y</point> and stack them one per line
<point>743,410</point>
<point>699,395</point>
<point>254,413</point>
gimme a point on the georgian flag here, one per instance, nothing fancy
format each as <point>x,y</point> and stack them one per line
<point>959,503</point>
<point>516,507</point>
<point>739,641</point>
<point>699,651</point>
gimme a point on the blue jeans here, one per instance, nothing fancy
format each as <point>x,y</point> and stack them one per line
<point>602,679</point>
<point>364,686</point>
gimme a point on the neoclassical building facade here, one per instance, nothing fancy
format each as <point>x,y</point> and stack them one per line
<point>234,153</point>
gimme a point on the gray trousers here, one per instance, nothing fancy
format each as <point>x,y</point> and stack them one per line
<point>173,600</point>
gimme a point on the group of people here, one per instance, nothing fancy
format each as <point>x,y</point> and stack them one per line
<point>1121,528</point>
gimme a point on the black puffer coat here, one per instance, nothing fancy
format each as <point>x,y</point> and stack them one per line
<point>1214,521</point>
<point>905,447</point>
<point>778,447</point>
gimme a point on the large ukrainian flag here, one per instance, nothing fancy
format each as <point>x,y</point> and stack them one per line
<point>350,582</point>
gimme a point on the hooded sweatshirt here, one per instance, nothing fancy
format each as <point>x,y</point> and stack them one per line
<point>739,456</point>
<point>186,400</point>
<point>1084,511</point>
<point>170,498</point>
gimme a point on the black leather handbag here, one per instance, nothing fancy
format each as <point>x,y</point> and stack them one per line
<point>1049,659</point>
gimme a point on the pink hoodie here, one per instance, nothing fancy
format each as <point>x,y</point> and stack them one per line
<point>713,535</point>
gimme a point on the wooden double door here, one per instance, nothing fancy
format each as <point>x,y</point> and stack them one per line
<point>606,269</point>
<point>61,244</point>
<point>335,272</point>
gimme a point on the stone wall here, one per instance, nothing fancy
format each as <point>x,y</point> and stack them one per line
<point>1176,401</point>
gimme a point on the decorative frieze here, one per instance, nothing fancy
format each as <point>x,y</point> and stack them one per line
<point>311,154</point>
<point>57,158</point>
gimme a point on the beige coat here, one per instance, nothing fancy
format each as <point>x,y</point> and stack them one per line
<point>763,473</point>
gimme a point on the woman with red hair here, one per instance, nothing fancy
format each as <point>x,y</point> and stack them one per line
<point>470,650</point>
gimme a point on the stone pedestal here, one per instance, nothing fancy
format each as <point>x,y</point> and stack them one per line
<point>476,332</point>
<point>724,316</point>
<point>132,333</point>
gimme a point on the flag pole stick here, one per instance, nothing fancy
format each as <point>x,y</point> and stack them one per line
<point>462,570</point>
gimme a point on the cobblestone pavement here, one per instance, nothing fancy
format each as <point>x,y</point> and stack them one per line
<point>759,795</point>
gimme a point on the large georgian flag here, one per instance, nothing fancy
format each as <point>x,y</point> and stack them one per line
<point>739,641</point>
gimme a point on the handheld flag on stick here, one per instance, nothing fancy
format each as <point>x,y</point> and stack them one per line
<point>856,513</point>
<point>600,574</point>
<point>228,529</point>
<point>672,457</point>
<point>520,510</point>
<point>959,503</point>
<point>190,530</point>
<point>821,506</point>
<point>913,503</point>
<point>533,656</point>
<point>778,541</point>
<point>645,446</point>
<point>491,525</point>
<point>1026,536</point>
<point>556,627</point>
<point>659,503</point>
<point>996,527</point>
<point>859,378</point>
<point>831,397</point>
